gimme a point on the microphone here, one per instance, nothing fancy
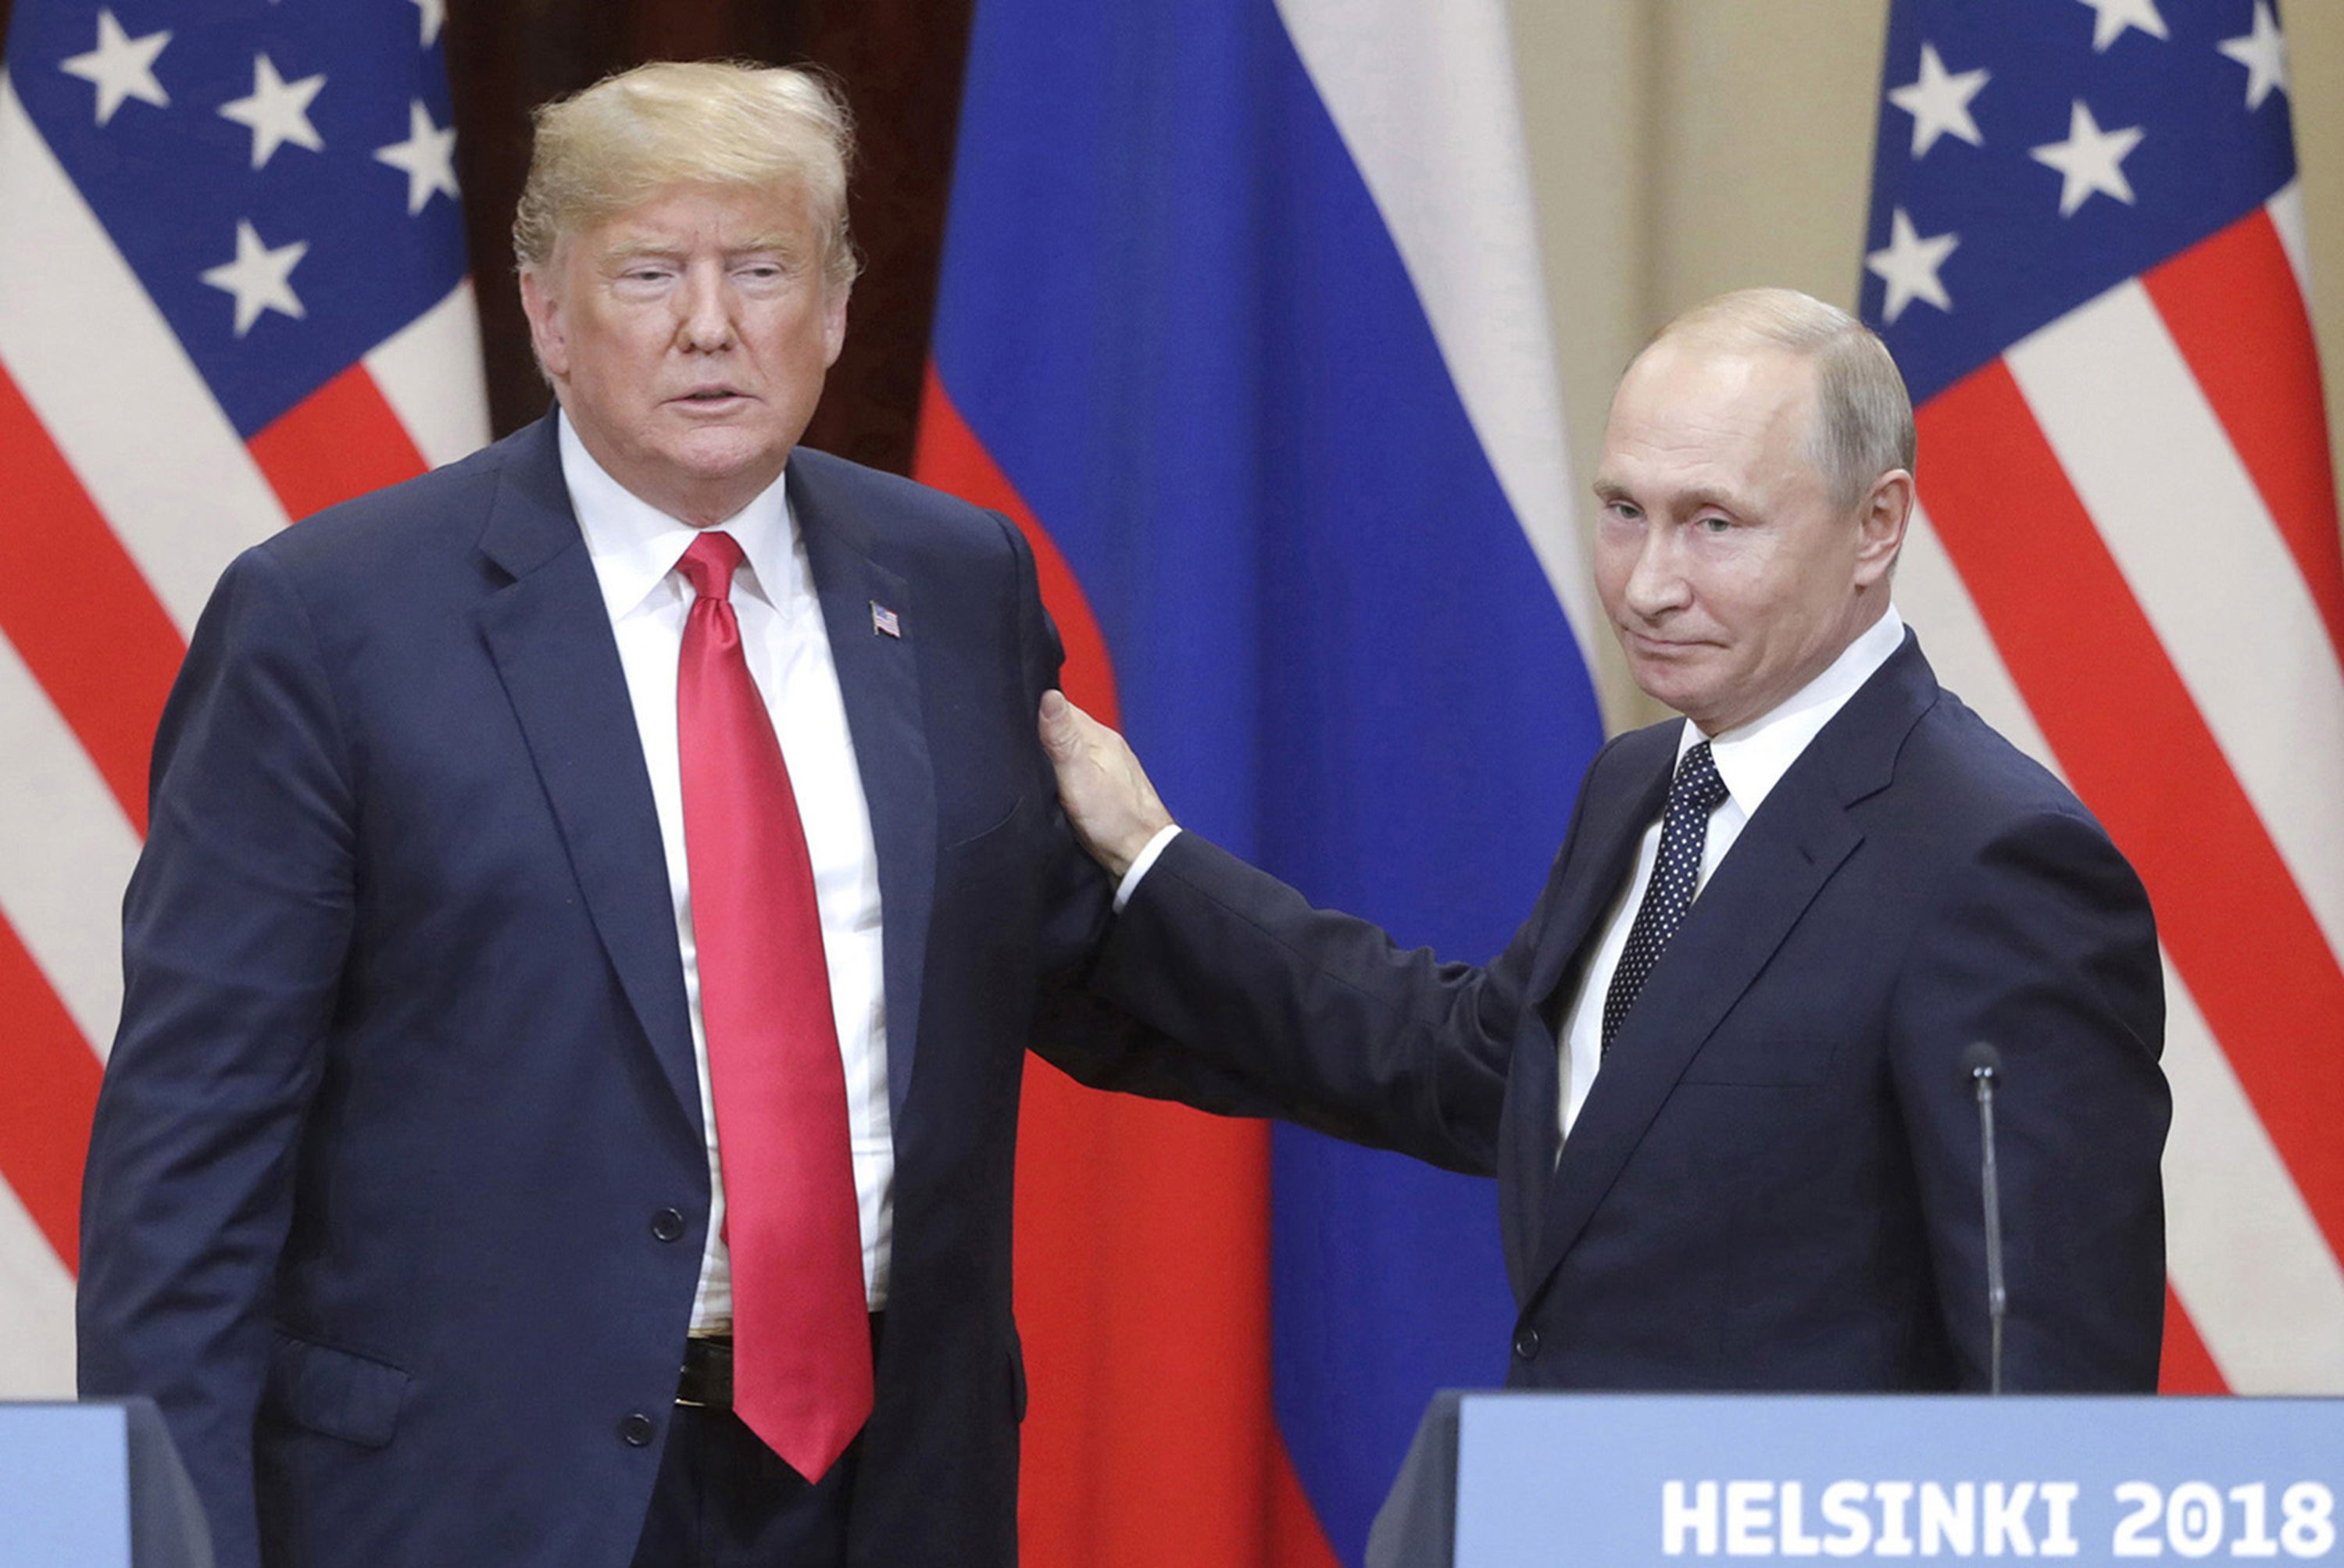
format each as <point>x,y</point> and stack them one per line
<point>1982,1065</point>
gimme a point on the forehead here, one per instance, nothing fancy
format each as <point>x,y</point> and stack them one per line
<point>1725,410</point>
<point>724,215</point>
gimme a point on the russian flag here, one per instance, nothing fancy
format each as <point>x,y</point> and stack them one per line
<point>1242,321</point>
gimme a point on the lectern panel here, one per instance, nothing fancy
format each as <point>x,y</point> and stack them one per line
<point>1626,1480</point>
<point>64,1486</point>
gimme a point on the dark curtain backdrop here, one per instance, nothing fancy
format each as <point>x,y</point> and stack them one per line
<point>901,62</point>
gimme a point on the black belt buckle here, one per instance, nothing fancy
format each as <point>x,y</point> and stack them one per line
<point>707,1380</point>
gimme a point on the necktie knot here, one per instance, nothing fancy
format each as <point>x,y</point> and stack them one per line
<point>709,563</point>
<point>1697,784</point>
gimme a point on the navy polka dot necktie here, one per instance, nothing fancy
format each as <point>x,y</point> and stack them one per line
<point>1684,831</point>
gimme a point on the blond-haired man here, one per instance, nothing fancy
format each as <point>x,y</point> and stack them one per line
<point>578,974</point>
<point>1718,1071</point>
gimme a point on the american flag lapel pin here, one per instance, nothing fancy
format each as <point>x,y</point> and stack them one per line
<point>883,622</point>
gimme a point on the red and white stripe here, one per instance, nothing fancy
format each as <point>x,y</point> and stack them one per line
<point>2129,561</point>
<point>128,490</point>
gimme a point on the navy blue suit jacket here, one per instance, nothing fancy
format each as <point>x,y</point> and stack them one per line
<point>1773,1183</point>
<point>379,1197</point>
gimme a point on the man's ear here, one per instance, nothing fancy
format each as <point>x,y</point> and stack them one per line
<point>547,334</point>
<point>1887,510</point>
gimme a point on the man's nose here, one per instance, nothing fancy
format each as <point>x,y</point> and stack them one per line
<point>705,311</point>
<point>1657,584</point>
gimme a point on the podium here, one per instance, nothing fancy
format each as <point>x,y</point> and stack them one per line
<point>1507,1481</point>
<point>95,1486</point>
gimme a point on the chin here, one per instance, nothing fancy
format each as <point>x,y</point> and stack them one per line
<point>1658,677</point>
<point>721,455</point>
<point>1667,685</point>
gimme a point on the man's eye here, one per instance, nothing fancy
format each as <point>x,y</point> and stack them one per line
<point>1714,524</point>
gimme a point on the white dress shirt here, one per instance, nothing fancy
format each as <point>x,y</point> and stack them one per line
<point>1751,759</point>
<point>634,548</point>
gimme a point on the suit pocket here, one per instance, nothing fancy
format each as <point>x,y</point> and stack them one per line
<point>338,1392</point>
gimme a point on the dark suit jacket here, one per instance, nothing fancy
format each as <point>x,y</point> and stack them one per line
<point>1774,1181</point>
<point>382,1201</point>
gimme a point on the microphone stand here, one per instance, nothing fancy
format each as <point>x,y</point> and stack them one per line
<point>1982,1064</point>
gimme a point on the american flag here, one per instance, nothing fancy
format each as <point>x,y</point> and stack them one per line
<point>2086,252</point>
<point>235,293</point>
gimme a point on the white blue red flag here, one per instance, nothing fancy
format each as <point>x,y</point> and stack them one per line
<point>1242,319</point>
<point>2086,251</point>
<point>235,293</point>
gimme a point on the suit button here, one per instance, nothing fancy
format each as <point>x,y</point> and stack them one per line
<point>668,1225</point>
<point>1526,1343</point>
<point>636,1429</point>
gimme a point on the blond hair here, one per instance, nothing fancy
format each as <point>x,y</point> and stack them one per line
<point>627,137</point>
<point>1863,415</point>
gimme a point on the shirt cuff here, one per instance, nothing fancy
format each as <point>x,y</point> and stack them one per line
<point>1146,858</point>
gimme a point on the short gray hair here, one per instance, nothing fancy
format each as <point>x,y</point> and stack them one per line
<point>623,140</point>
<point>1863,415</point>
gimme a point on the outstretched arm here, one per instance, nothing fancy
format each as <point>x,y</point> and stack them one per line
<point>1345,1031</point>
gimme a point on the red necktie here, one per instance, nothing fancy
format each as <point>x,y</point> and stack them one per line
<point>800,1329</point>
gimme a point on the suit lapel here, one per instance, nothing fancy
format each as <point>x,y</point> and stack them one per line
<point>1785,855</point>
<point>1596,863</point>
<point>1757,895</point>
<point>878,676</point>
<point>549,635</point>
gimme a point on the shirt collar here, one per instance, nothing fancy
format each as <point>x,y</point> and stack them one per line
<point>634,546</point>
<point>1753,758</point>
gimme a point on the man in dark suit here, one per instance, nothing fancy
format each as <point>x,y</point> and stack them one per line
<point>518,829</point>
<point>1718,1071</point>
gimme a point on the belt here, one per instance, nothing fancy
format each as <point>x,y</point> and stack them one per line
<point>706,1382</point>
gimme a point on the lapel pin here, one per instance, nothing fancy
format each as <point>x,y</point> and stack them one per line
<point>884,623</point>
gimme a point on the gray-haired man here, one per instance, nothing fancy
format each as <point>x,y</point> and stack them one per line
<point>1718,1071</point>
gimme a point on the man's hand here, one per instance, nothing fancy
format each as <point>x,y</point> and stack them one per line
<point>1113,808</point>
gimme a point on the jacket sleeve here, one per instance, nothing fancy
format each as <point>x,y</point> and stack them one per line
<point>1273,1007</point>
<point>234,930</point>
<point>1320,1015</point>
<point>2044,947</point>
